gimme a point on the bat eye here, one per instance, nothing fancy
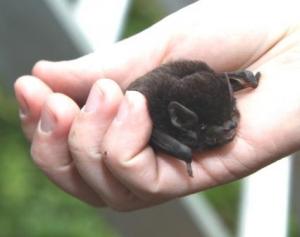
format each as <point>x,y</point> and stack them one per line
<point>229,125</point>
<point>203,126</point>
<point>214,130</point>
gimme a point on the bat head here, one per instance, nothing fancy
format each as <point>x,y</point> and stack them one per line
<point>197,134</point>
<point>200,127</point>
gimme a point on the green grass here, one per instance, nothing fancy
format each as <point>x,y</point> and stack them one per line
<point>293,224</point>
<point>142,14</point>
<point>225,199</point>
<point>31,205</point>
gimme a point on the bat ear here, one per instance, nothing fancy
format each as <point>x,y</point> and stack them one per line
<point>181,116</point>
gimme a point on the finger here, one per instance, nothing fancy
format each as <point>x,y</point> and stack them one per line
<point>50,148</point>
<point>85,141</point>
<point>152,177</point>
<point>129,157</point>
<point>120,62</point>
<point>27,90</point>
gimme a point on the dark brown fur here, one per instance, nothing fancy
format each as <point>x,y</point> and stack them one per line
<point>191,106</point>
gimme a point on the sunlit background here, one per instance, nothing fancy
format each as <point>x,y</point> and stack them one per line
<point>30,205</point>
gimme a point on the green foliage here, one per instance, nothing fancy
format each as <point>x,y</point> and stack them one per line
<point>293,224</point>
<point>142,14</point>
<point>31,205</point>
<point>226,201</point>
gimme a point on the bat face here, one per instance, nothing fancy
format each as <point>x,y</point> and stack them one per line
<point>200,127</point>
<point>217,135</point>
<point>191,106</point>
<point>201,135</point>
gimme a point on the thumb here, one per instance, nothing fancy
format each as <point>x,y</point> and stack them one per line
<point>120,62</point>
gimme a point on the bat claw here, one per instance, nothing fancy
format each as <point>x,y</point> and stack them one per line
<point>189,169</point>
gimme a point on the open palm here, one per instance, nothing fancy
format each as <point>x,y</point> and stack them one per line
<point>100,153</point>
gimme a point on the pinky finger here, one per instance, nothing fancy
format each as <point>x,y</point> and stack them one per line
<point>27,90</point>
<point>50,148</point>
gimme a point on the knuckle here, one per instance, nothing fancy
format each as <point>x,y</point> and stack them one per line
<point>125,202</point>
<point>76,147</point>
<point>43,158</point>
<point>21,80</point>
<point>150,195</point>
<point>36,69</point>
<point>115,162</point>
<point>150,192</point>
<point>37,157</point>
<point>81,150</point>
<point>143,181</point>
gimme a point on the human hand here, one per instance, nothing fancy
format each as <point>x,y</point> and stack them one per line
<point>103,157</point>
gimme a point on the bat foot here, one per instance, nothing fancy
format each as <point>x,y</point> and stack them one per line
<point>243,79</point>
<point>189,169</point>
<point>257,77</point>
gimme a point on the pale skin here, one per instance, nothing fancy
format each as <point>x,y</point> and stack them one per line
<point>100,153</point>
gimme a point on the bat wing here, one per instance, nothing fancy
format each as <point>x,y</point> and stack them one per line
<point>171,146</point>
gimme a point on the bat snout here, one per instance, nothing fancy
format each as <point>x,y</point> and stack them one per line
<point>229,125</point>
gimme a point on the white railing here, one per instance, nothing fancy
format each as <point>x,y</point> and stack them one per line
<point>265,201</point>
<point>93,24</point>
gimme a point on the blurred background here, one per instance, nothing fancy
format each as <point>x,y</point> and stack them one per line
<point>30,205</point>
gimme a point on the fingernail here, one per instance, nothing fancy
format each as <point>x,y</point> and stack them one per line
<point>23,108</point>
<point>94,99</point>
<point>124,107</point>
<point>48,121</point>
<point>41,64</point>
<point>45,62</point>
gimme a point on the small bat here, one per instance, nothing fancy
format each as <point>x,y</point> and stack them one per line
<point>192,107</point>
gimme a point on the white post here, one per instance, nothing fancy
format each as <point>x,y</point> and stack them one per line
<point>92,24</point>
<point>101,21</point>
<point>265,201</point>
